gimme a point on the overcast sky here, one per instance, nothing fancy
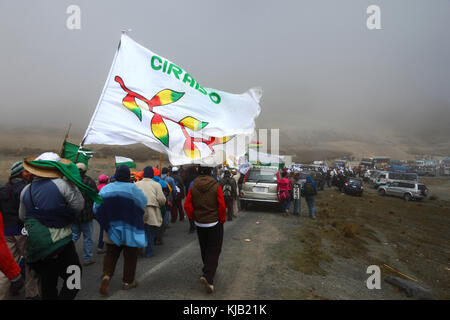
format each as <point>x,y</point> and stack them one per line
<point>317,62</point>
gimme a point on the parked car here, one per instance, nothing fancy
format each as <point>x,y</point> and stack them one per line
<point>353,186</point>
<point>405,190</point>
<point>259,185</point>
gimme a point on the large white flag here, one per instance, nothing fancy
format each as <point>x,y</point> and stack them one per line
<point>150,100</point>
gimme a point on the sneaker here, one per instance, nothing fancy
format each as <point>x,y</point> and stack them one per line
<point>209,287</point>
<point>88,263</point>
<point>128,286</point>
<point>104,285</point>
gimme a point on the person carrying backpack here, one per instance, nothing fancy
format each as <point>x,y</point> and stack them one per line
<point>229,187</point>
<point>309,191</point>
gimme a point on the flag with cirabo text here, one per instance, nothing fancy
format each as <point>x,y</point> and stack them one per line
<point>150,100</point>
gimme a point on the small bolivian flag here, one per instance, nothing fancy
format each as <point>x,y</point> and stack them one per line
<point>255,145</point>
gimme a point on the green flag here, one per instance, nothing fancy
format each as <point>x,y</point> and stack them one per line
<point>76,153</point>
<point>70,171</point>
<point>126,161</point>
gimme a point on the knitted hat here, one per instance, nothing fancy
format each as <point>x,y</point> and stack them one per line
<point>122,173</point>
<point>103,178</point>
<point>16,168</point>
<point>148,172</point>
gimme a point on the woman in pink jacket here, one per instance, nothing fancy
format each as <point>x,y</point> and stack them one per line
<point>284,192</point>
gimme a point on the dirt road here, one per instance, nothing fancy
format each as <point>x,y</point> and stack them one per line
<point>300,258</point>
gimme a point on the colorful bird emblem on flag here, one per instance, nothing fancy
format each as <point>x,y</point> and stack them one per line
<point>158,125</point>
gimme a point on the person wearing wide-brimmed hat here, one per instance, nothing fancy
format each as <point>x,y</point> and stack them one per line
<point>49,205</point>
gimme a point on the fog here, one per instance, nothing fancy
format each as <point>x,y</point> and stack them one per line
<point>319,65</point>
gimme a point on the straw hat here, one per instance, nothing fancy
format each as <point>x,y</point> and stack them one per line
<point>43,172</point>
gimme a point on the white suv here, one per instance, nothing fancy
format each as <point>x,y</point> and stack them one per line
<point>405,190</point>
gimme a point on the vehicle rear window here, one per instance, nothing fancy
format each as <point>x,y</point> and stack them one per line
<point>262,175</point>
<point>354,181</point>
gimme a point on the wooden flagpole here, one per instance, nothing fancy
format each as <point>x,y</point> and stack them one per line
<point>64,141</point>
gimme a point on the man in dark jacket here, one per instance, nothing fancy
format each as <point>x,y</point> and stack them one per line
<point>84,220</point>
<point>16,241</point>
<point>205,205</point>
<point>328,178</point>
<point>309,190</point>
<point>229,187</point>
<point>179,195</point>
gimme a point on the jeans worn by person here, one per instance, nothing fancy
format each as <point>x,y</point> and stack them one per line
<point>297,207</point>
<point>85,229</point>
<point>311,206</point>
<point>285,205</point>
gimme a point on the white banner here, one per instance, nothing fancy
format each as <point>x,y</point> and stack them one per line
<point>120,159</point>
<point>150,100</point>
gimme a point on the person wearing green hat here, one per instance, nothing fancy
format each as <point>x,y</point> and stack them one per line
<point>16,241</point>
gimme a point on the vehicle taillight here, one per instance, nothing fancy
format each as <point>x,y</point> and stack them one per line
<point>245,177</point>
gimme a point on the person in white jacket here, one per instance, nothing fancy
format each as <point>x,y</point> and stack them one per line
<point>155,200</point>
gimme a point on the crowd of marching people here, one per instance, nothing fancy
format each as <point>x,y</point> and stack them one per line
<point>49,204</point>
<point>297,181</point>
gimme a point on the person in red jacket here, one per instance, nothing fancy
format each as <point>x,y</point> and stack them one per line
<point>205,205</point>
<point>8,264</point>
<point>284,192</point>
